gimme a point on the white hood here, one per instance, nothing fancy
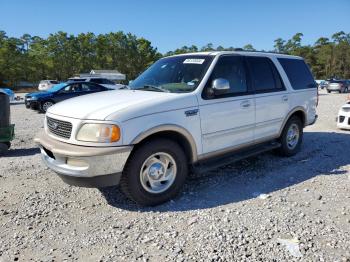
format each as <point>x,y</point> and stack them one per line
<point>121,105</point>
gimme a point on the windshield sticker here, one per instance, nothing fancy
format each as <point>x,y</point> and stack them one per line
<point>194,61</point>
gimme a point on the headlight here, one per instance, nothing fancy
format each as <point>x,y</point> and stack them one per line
<point>31,98</point>
<point>101,133</point>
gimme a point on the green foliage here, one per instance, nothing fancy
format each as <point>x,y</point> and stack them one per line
<point>61,55</point>
<point>327,58</point>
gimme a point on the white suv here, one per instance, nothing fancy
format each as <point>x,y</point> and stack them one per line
<point>190,112</point>
<point>47,84</point>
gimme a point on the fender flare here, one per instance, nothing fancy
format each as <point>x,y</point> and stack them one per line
<point>295,109</point>
<point>172,128</point>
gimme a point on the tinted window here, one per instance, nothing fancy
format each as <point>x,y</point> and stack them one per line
<point>232,69</point>
<point>72,88</point>
<point>96,80</point>
<point>90,87</point>
<point>264,75</point>
<point>108,82</point>
<point>298,73</point>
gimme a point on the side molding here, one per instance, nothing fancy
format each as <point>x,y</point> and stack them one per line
<point>169,127</point>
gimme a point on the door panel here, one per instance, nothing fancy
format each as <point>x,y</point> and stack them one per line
<point>227,123</point>
<point>271,110</point>
<point>271,99</point>
<point>227,120</point>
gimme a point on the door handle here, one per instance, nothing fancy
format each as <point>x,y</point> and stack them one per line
<point>245,104</point>
<point>284,98</point>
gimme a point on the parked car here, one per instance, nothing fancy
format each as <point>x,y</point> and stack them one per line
<point>191,111</point>
<point>47,84</point>
<point>41,101</point>
<point>8,92</point>
<point>341,86</point>
<point>323,84</point>
<point>98,80</point>
<point>343,119</point>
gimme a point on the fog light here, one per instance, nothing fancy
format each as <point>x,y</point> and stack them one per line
<point>76,162</point>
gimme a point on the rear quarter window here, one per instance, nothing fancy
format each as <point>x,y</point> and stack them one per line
<point>298,73</point>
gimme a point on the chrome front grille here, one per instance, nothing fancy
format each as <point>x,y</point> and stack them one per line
<point>59,128</point>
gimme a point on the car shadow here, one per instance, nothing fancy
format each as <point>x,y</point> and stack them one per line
<point>323,153</point>
<point>22,152</point>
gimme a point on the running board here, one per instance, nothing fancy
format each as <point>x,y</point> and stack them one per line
<point>208,165</point>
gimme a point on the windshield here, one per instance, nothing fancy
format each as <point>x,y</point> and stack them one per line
<point>57,87</point>
<point>177,74</point>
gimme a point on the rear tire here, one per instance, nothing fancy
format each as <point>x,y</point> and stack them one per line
<point>155,172</point>
<point>291,138</point>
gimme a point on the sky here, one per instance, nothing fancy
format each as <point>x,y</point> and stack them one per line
<point>173,24</point>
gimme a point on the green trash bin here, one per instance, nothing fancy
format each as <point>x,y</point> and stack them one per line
<point>7,133</point>
<point>6,129</point>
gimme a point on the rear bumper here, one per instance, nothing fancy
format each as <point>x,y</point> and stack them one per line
<point>314,121</point>
<point>334,88</point>
<point>81,165</point>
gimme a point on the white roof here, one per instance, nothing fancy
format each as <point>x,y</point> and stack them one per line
<point>247,53</point>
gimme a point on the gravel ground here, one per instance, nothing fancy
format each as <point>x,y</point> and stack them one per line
<point>253,210</point>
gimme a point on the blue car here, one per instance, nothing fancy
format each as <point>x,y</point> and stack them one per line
<point>41,101</point>
<point>8,92</point>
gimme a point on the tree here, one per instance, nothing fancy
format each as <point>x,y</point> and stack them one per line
<point>249,47</point>
<point>62,55</point>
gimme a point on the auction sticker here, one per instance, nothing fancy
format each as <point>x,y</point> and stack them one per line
<point>194,61</point>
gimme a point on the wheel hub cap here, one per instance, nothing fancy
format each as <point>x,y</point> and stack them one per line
<point>292,136</point>
<point>158,173</point>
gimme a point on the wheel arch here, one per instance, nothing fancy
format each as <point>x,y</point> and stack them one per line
<point>173,132</point>
<point>297,111</point>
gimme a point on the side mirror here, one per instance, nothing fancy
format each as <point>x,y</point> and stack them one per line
<point>220,86</point>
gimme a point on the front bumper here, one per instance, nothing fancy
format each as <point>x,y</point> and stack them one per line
<point>32,104</point>
<point>82,165</point>
<point>343,121</point>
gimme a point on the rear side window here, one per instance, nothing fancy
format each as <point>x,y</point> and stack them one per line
<point>264,75</point>
<point>298,73</point>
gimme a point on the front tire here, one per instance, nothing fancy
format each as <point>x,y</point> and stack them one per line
<point>46,105</point>
<point>155,172</point>
<point>292,137</point>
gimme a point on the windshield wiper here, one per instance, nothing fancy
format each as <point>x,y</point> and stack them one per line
<point>156,88</point>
